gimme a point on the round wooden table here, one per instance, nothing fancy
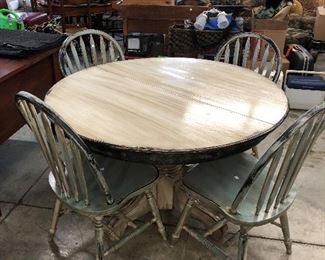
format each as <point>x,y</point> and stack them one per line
<point>169,111</point>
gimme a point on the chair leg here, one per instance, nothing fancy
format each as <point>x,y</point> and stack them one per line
<point>179,227</point>
<point>99,233</point>
<point>156,214</point>
<point>286,232</point>
<point>255,151</point>
<point>242,244</point>
<point>55,217</point>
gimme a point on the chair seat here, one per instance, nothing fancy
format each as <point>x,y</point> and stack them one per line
<point>125,180</point>
<point>220,181</point>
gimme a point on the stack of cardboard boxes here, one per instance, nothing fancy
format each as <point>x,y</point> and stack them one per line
<point>319,28</point>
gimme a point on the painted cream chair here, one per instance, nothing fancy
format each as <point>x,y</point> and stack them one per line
<point>93,186</point>
<point>249,192</point>
<point>86,49</point>
<point>255,52</point>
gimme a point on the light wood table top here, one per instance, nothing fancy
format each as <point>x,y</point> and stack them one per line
<point>169,110</point>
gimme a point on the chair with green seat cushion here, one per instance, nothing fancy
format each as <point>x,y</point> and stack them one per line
<point>124,178</point>
<point>249,192</point>
<point>90,185</point>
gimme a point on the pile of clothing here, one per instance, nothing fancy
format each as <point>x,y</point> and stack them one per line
<point>300,30</point>
<point>279,8</point>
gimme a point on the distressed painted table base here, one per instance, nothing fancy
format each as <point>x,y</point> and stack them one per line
<point>169,197</point>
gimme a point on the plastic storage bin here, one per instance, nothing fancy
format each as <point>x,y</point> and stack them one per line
<point>304,90</point>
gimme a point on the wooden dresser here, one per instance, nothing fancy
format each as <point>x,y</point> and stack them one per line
<point>36,74</point>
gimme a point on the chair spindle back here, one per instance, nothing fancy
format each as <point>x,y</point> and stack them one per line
<point>253,51</point>
<point>283,161</point>
<point>88,48</point>
<point>65,152</point>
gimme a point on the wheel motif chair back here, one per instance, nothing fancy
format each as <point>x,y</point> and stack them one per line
<point>67,155</point>
<point>254,51</point>
<point>86,49</point>
<point>283,161</point>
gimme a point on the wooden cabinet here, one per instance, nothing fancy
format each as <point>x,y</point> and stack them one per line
<point>149,2</point>
<point>155,18</point>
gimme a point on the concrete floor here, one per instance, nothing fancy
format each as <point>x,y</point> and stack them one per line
<point>26,202</point>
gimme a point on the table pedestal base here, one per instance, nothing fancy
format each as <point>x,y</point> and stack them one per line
<point>169,196</point>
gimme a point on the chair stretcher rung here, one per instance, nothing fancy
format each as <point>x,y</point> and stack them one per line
<point>216,250</point>
<point>129,237</point>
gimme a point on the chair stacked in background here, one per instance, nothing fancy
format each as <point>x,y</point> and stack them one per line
<point>76,14</point>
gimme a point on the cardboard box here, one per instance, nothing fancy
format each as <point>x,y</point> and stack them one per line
<point>275,29</point>
<point>319,27</point>
<point>285,64</point>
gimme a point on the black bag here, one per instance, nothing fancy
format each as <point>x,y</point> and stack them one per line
<point>190,42</point>
<point>24,43</point>
<point>299,57</point>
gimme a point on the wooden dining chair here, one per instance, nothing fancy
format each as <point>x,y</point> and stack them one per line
<point>249,192</point>
<point>86,49</point>
<point>91,186</point>
<point>254,51</point>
